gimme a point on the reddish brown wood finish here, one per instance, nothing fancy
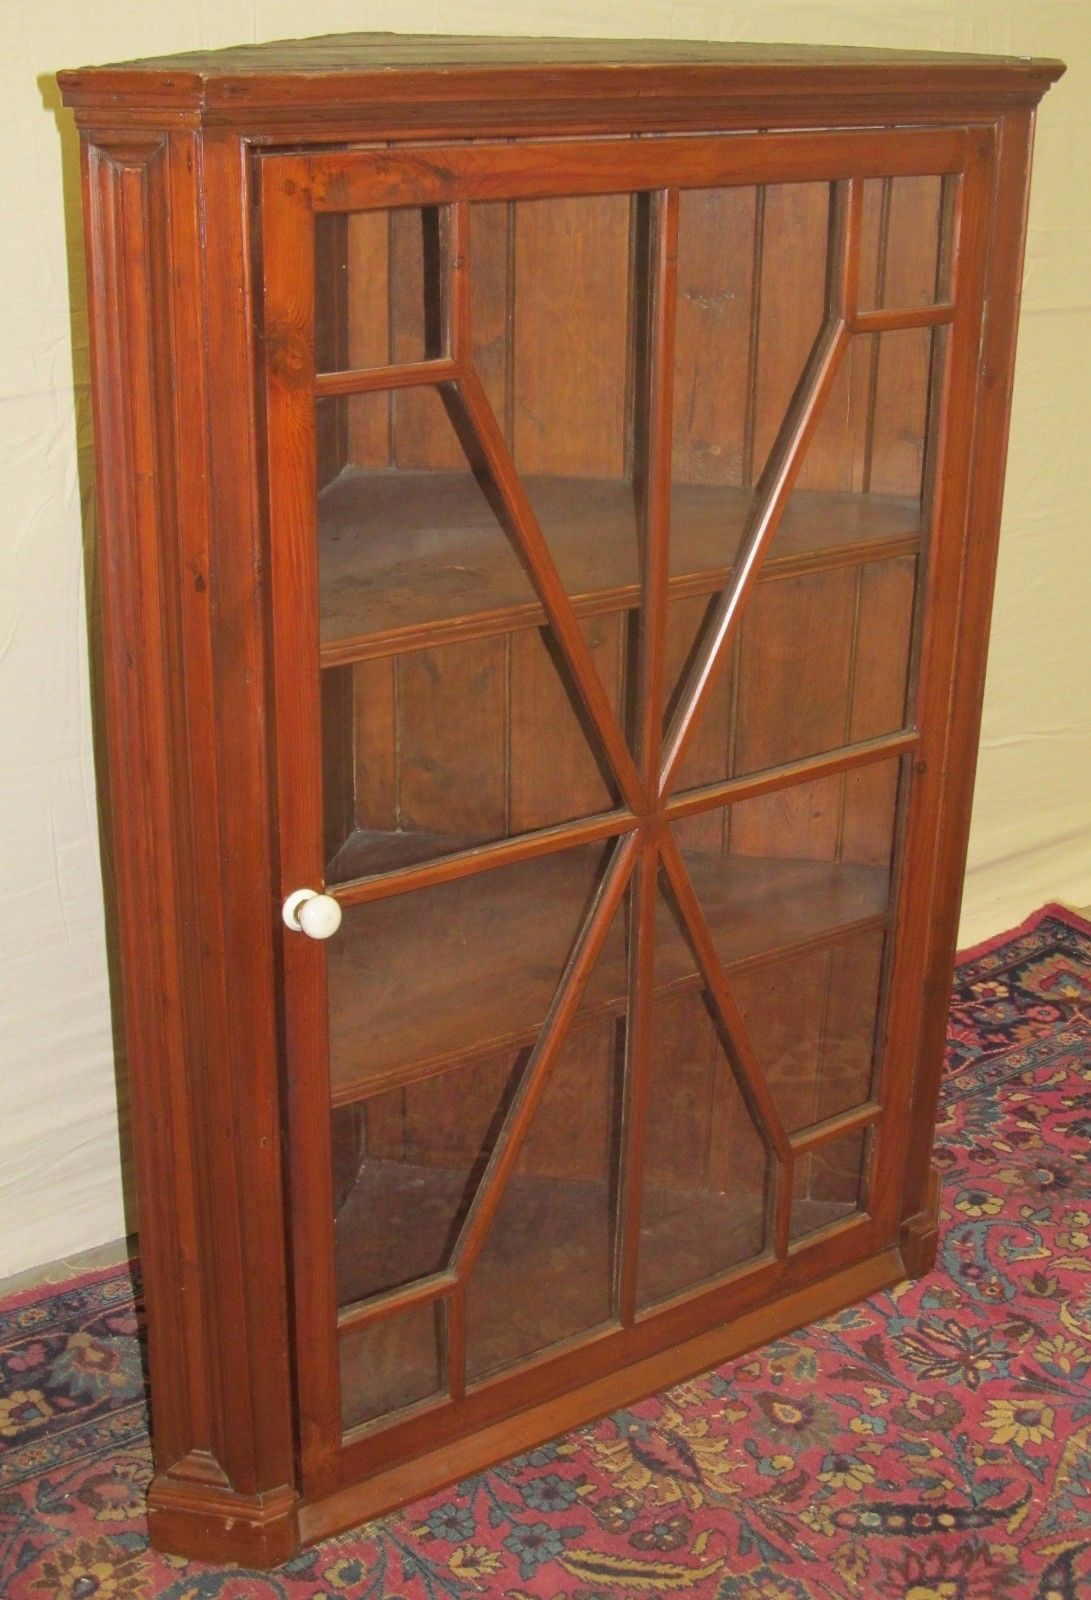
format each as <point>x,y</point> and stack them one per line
<point>240,766</point>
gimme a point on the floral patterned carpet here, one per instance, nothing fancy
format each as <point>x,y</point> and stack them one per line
<point>933,1443</point>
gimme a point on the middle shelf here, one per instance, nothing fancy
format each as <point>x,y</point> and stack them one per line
<point>428,980</point>
<point>411,558</point>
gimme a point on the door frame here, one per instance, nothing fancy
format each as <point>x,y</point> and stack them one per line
<point>293,187</point>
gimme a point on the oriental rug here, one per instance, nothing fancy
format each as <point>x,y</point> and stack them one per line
<point>933,1443</point>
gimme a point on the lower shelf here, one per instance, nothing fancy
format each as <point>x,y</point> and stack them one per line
<point>427,980</point>
<point>543,1278</point>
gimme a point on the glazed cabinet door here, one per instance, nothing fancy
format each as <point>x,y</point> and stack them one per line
<point>616,504</point>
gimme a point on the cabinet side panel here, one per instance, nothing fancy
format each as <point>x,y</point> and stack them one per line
<point>183,627</point>
<point>243,1170</point>
<point>123,188</point>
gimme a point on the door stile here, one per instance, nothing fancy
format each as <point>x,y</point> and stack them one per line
<point>1015,138</point>
<point>287,231</point>
<point>658,402</point>
<point>927,784</point>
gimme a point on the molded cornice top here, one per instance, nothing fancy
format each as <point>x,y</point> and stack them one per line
<point>408,85</point>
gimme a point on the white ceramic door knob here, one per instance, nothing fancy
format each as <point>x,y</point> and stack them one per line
<point>316,915</point>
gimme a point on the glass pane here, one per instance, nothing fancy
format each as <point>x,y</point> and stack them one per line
<point>380,287</point>
<point>391,1364</point>
<point>793,243</point>
<point>415,1156</point>
<point>545,1273</point>
<point>460,971</point>
<point>794,887</point>
<point>571,398</point>
<point>821,652</point>
<point>706,1170</point>
<point>716,282</point>
<point>910,219</point>
<point>829,1183</point>
<point>429,750</point>
<point>806,861</point>
<point>437,999</point>
<point>812,1022</point>
<point>430,615</point>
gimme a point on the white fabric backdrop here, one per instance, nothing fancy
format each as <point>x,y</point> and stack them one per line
<point>60,1172</point>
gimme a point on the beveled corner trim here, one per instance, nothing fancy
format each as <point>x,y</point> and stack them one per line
<point>208,1522</point>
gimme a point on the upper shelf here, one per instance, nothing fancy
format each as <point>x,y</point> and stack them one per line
<point>413,559</point>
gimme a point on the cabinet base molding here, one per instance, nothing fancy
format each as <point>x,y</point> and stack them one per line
<point>410,1480</point>
<point>920,1233</point>
<point>207,1523</point>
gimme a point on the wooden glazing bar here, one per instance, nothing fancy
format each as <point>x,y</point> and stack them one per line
<point>843,290</point>
<point>559,1019</point>
<point>779,473</point>
<point>456,1343</point>
<point>653,624</point>
<point>538,561</point>
<point>844,759</point>
<point>770,500</point>
<point>897,321</point>
<point>878,287</point>
<point>657,498</point>
<point>844,1122</point>
<point>949,213</point>
<point>783,1185</point>
<point>436,175</point>
<point>763,1105</point>
<point>637,1052</point>
<point>483,858</point>
<point>365,380</point>
<point>375,1309</point>
<point>458,279</point>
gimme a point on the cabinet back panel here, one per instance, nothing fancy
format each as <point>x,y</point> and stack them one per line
<point>716,308</point>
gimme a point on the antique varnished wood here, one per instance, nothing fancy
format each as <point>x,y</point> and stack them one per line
<point>575,553</point>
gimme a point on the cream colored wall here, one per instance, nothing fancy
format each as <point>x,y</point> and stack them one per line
<point>60,1176</point>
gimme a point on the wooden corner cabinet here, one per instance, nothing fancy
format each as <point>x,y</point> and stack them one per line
<point>548,501</point>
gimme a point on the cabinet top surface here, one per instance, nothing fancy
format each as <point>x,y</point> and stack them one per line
<point>331,75</point>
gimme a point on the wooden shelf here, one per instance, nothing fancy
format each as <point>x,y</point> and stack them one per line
<point>411,559</point>
<point>469,967</point>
